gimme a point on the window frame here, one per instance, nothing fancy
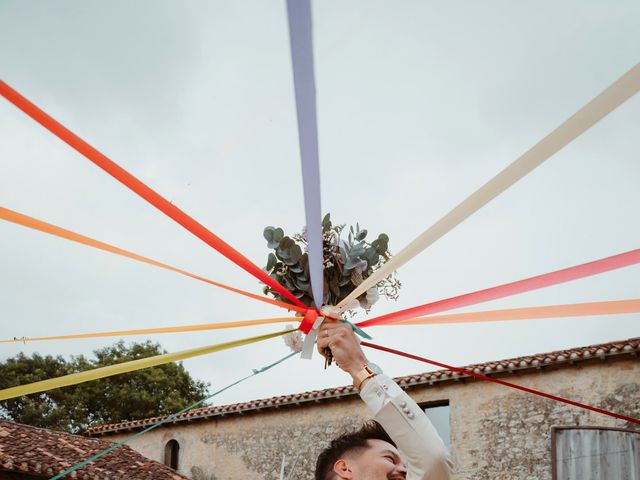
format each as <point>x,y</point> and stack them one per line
<point>174,446</point>
<point>445,402</point>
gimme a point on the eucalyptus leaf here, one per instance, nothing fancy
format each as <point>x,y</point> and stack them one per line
<point>295,254</point>
<point>288,284</point>
<point>286,242</point>
<point>326,223</point>
<point>302,285</point>
<point>351,263</point>
<point>278,234</point>
<point>269,234</point>
<point>371,256</point>
<point>284,250</point>
<point>271,262</point>
<point>347,260</point>
<point>357,250</point>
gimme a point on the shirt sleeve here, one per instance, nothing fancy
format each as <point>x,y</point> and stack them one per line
<point>378,391</point>
<point>410,429</point>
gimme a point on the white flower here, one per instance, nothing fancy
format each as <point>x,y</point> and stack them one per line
<point>293,340</point>
<point>372,297</point>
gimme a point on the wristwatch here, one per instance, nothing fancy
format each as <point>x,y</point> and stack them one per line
<point>368,371</point>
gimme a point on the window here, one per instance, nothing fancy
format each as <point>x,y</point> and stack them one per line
<point>438,413</point>
<point>171,454</point>
<point>595,453</point>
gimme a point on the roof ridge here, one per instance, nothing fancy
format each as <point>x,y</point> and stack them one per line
<point>50,431</point>
<point>513,364</point>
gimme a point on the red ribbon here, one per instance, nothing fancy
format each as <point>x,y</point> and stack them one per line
<point>502,382</point>
<point>143,190</point>
<point>310,317</point>
<point>508,289</point>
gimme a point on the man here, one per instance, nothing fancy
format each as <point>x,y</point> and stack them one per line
<point>402,432</point>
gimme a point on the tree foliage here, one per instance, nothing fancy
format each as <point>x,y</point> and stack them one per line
<point>144,393</point>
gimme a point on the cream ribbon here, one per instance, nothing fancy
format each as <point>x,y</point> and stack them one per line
<point>594,111</point>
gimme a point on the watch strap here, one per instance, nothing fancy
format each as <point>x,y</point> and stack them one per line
<point>363,375</point>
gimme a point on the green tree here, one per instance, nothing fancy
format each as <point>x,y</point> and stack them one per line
<point>145,393</point>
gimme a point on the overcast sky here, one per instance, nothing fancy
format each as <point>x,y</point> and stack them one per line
<point>419,102</point>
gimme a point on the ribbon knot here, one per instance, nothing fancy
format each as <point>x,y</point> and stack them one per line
<point>310,317</point>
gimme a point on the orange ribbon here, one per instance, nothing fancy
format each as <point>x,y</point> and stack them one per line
<point>530,313</point>
<point>148,331</point>
<point>143,190</point>
<point>30,222</point>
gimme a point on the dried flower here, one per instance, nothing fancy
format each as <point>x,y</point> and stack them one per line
<point>293,340</point>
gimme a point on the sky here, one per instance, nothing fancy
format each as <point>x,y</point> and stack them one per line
<point>419,104</point>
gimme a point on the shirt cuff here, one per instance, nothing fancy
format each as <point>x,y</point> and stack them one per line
<point>378,391</point>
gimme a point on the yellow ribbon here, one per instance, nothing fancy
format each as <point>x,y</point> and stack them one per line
<point>125,367</point>
<point>148,331</point>
<point>611,98</point>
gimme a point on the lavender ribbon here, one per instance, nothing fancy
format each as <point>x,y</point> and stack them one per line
<point>300,34</point>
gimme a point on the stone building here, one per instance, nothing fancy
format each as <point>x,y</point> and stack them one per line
<point>30,453</point>
<point>494,432</point>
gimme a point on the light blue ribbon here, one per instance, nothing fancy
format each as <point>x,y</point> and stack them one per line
<point>169,418</point>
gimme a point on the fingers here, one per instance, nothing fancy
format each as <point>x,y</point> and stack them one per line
<point>343,343</point>
<point>330,333</point>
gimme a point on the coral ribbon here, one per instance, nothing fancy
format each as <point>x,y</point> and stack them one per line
<point>514,288</point>
<point>502,382</point>
<point>142,190</point>
<point>607,101</point>
<point>150,331</point>
<point>301,39</point>
<point>35,224</point>
<point>125,367</point>
<point>529,313</point>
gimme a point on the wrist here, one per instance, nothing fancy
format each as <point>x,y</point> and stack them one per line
<point>364,374</point>
<point>356,367</point>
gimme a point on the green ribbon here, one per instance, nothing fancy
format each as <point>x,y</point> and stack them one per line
<point>357,330</point>
<point>169,418</point>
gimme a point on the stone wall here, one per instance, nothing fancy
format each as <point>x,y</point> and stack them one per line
<point>251,446</point>
<point>496,432</point>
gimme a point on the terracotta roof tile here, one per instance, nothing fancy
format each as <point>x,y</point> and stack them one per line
<point>562,358</point>
<point>40,451</point>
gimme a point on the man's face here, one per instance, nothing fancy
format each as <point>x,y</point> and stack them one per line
<point>381,461</point>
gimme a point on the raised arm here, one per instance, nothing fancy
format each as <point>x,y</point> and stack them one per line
<point>399,415</point>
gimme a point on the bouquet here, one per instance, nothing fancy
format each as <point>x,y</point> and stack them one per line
<point>348,260</point>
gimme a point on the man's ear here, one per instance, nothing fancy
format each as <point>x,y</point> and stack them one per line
<point>341,468</point>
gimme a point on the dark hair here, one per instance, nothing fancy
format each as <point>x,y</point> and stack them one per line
<point>349,442</point>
